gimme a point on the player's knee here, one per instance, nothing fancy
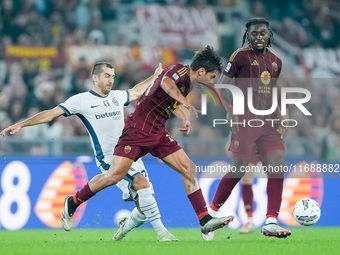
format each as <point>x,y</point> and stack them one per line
<point>239,162</point>
<point>275,158</point>
<point>239,173</point>
<point>140,182</point>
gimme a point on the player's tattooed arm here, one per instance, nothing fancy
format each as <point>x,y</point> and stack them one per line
<point>169,91</point>
<point>139,89</point>
<point>39,118</point>
<point>169,86</point>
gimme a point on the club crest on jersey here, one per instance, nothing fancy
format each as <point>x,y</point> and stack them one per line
<point>127,149</point>
<point>265,77</point>
<point>236,144</point>
<point>106,103</point>
<point>175,76</point>
<point>115,102</point>
<point>227,67</point>
<point>274,66</point>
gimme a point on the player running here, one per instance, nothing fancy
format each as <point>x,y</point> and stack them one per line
<point>145,132</point>
<point>257,67</point>
<point>102,112</point>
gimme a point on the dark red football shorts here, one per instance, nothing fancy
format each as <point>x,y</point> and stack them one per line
<point>135,143</point>
<point>266,139</point>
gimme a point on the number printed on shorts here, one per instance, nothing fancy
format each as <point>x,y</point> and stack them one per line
<point>143,172</point>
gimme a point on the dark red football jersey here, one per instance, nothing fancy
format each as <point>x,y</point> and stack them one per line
<point>258,71</point>
<point>155,106</point>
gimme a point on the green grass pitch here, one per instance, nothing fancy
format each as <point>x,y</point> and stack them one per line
<point>307,240</point>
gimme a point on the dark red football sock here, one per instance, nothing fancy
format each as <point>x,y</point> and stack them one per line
<point>224,189</point>
<point>247,195</point>
<point>83,195</point>
<point>274,191</point>
<point>198,203</point>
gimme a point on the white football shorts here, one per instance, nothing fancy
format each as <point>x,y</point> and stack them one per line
<point>125,184</point>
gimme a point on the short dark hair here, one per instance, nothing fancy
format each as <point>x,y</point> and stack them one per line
<point>97,68</point>
<point>208,59</point>
<point>254,21</point>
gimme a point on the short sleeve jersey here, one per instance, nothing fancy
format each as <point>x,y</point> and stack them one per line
<point>103,118</point>
<point>258,71</point>
<point>155,106</point>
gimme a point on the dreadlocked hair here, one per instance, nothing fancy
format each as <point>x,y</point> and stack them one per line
<point>254,21</point>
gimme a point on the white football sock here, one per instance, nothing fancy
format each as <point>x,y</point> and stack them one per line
<point>271,220</point>
<point>212,212</point>
<point>135,220</point>
<point>149,207</point>
<point>250,220</point>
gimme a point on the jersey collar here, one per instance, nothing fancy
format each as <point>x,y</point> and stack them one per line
<point>96,94</point>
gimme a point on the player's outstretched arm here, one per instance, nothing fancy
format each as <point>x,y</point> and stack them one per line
<point>139,89</point>
<point>41,117</point>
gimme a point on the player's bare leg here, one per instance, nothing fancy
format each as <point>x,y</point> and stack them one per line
<point>146,208</point>
<point>180,162</point>
<point>118,169</point>
<point>247,195</point>
<point>274,158</point>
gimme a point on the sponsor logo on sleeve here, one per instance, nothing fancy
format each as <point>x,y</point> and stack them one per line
<point>228,67</point>
<point>175,76</point>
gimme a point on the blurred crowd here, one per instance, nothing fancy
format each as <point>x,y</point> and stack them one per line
<point>302,22</point>
<point>60,22</point>
<point>30,86</point>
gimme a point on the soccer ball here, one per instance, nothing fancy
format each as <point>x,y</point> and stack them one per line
<point>307,212</point>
